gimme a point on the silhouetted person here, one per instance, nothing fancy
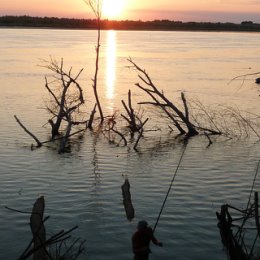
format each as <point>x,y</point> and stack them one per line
<point>141,241</point>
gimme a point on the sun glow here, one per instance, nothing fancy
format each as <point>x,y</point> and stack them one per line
<point>112,9</point>
<point>110,66</point>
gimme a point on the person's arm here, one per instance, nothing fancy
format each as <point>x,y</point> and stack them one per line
<point>154,240</point>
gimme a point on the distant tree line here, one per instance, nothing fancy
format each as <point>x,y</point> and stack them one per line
<point>171,25</point>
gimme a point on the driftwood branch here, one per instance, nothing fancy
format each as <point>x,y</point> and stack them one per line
<point>39,144</point>
<point>244,76</point>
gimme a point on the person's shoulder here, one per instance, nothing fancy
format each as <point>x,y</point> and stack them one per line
<point>149,230</point>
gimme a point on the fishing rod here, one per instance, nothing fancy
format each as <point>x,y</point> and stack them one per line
<point>167,194</point>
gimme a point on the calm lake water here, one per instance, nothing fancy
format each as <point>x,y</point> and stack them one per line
<point>84,188</point>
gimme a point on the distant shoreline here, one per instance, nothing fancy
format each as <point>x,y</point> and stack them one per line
<point>128,25</point>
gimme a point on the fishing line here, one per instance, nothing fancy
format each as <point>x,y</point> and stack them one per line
<point>169,189</point>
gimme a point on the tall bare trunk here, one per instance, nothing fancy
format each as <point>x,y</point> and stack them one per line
<point>96,74</point>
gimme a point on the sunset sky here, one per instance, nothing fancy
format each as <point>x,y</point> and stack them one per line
<point>184,10</point>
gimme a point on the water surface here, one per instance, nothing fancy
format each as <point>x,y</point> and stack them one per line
<point>84,187</point>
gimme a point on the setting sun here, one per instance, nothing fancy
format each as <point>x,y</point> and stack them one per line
<point>112,9</point>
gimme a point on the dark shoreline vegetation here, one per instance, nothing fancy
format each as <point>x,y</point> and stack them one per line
<point>162,25</point>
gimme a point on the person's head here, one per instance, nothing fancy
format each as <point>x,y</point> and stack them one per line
<point>142,224</point>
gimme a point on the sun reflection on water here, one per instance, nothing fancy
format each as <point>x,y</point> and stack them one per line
<point>110,66</point>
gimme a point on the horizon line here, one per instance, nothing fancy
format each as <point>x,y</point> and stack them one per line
<point>124,20</point>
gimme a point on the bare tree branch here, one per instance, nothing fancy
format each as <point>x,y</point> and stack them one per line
<point>39,144</point>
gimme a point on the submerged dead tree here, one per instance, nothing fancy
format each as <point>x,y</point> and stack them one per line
<point>240,228</point>
<point>110,130</point>
<point>96,7</point>
<point>135,123</point>
<point>179,118</point>
<point>134,120</point>
<point>239,234</point>
<point>195,118</point>
<point>66,95</point>
<point>66,98</point>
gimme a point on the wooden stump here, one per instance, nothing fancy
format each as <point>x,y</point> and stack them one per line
<point>38,229</point>
<point>129,209</point>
